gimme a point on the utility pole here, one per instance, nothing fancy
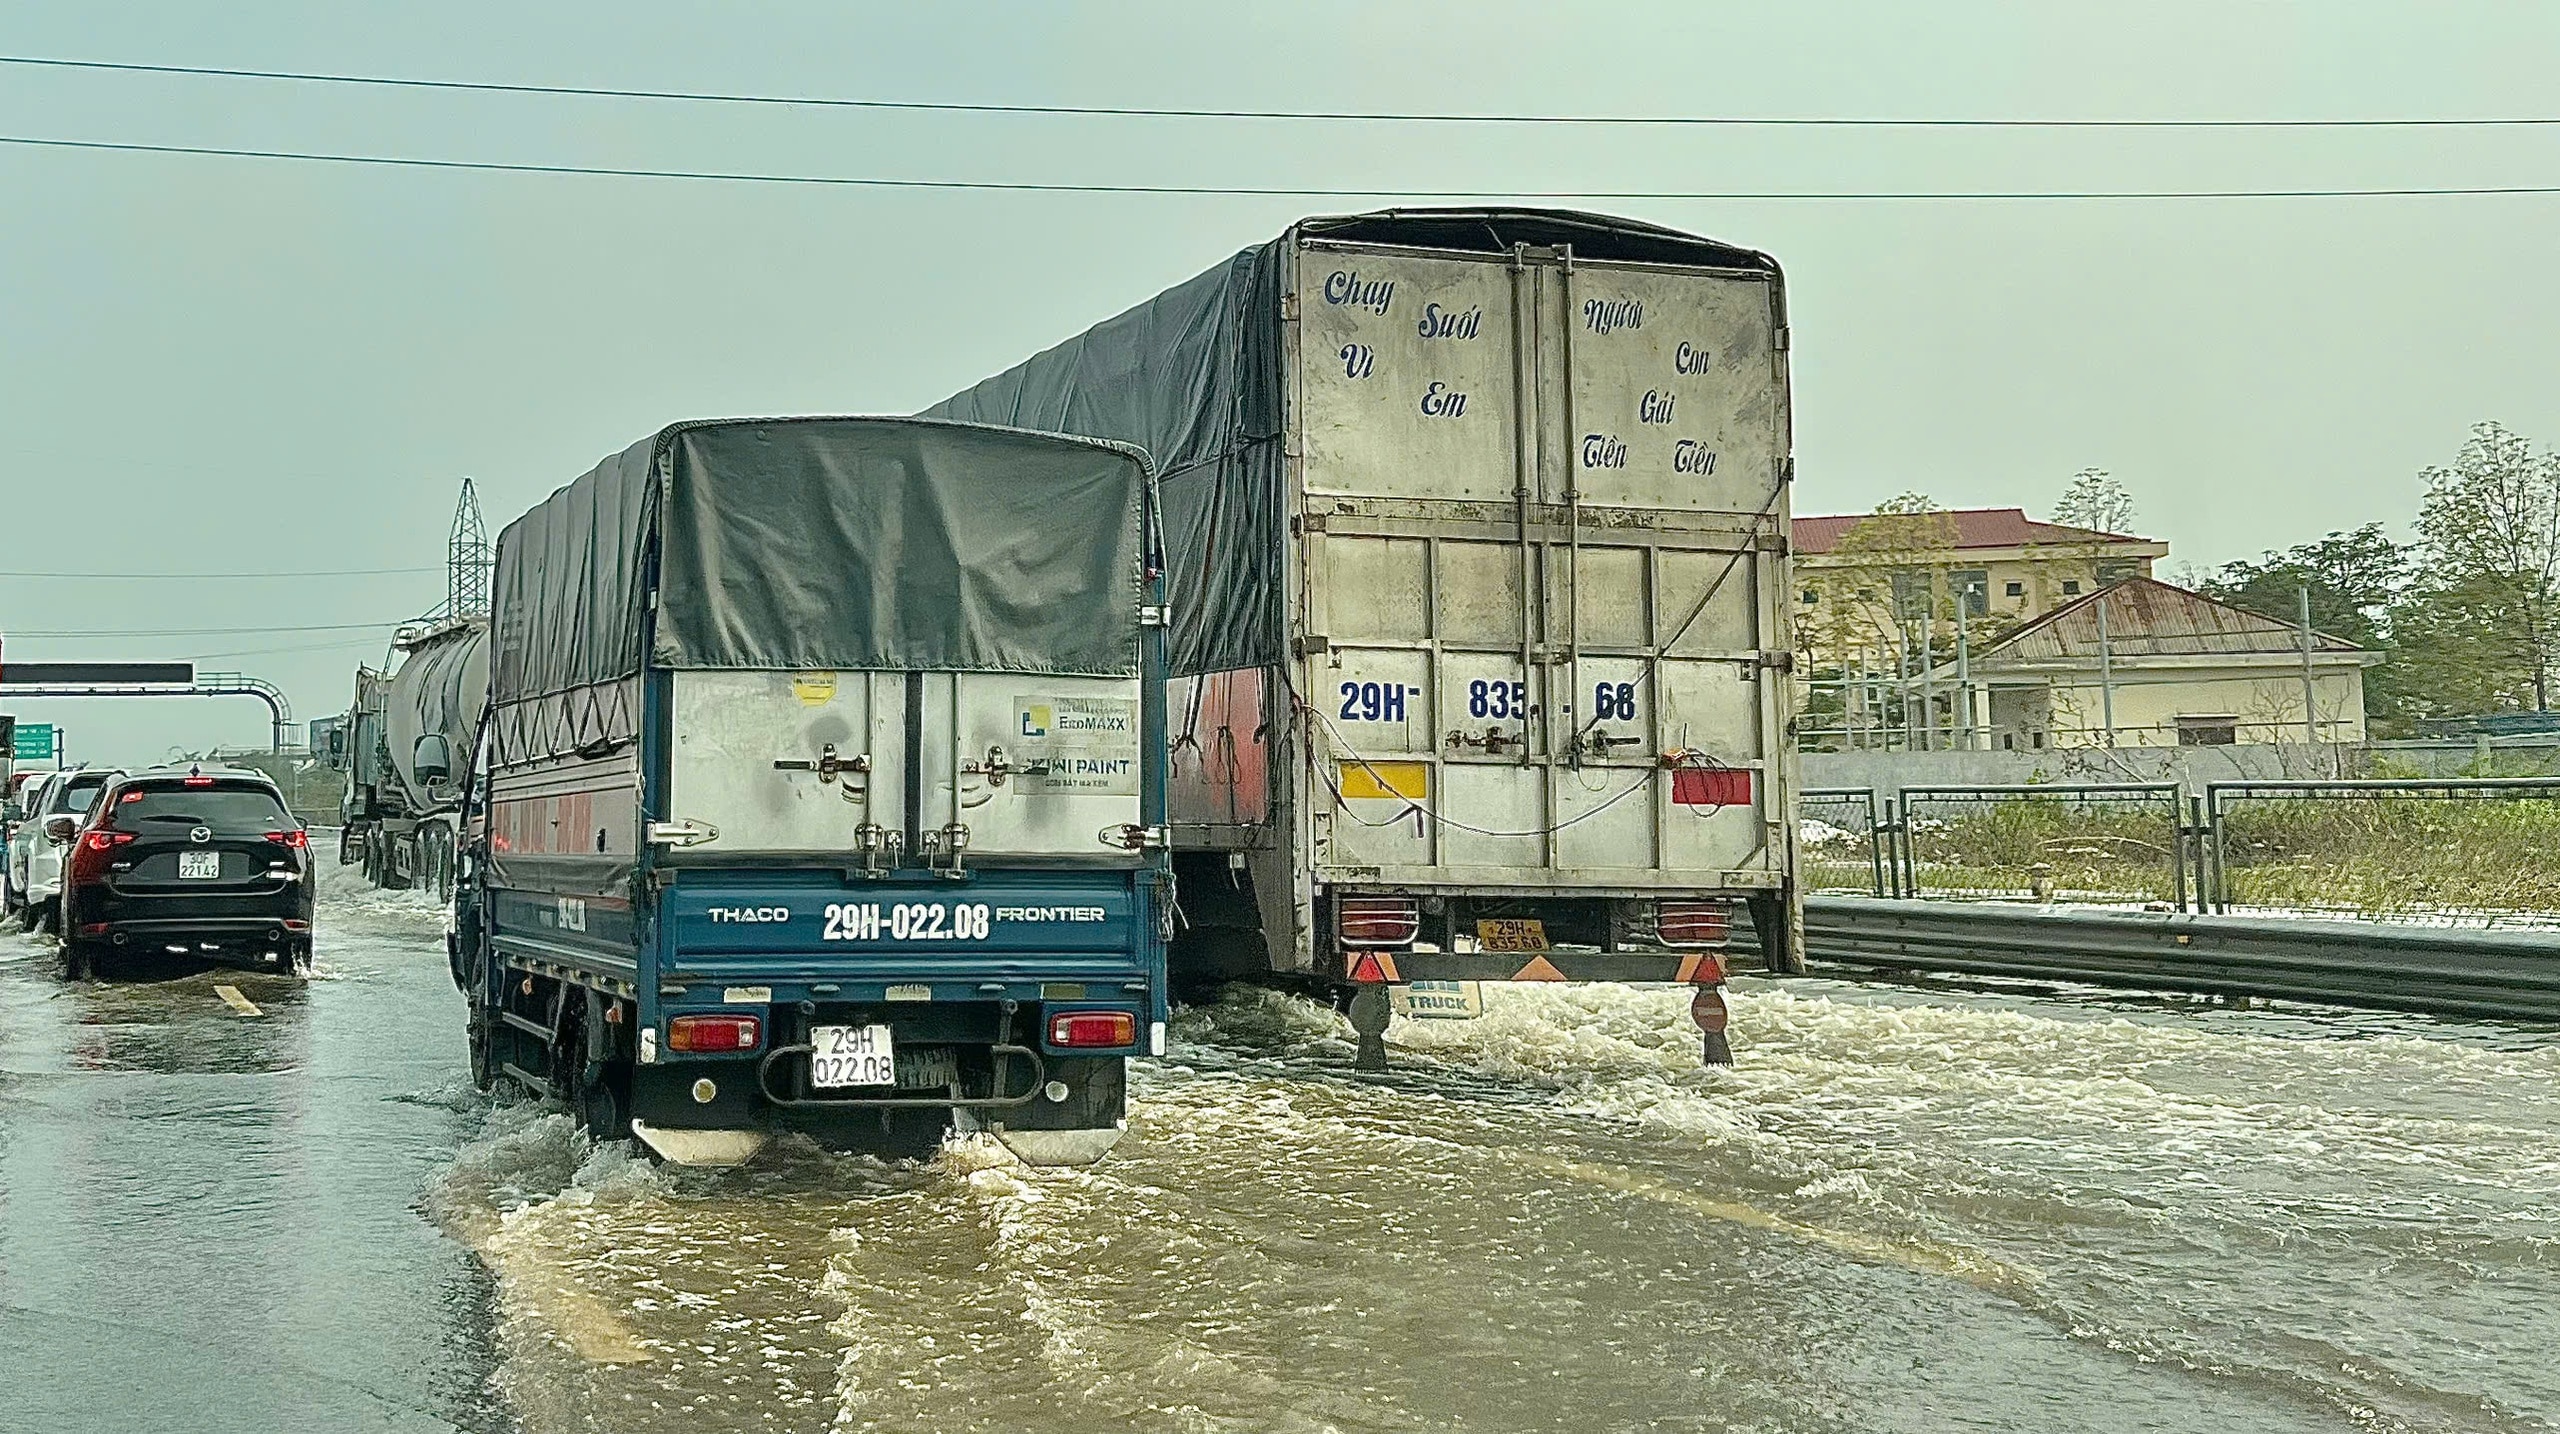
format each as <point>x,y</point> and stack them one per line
<point>468,561</point>
<point>2106,670</point>
<point>2310,700</point>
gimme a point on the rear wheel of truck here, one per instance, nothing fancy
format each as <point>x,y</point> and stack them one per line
<point>484,1052</point>
<point>604,1103</point>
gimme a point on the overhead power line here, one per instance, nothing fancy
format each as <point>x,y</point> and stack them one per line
<point>262,630</point>
<point>1348,116</point>
<point>212,577</point>
<point>1278,191</point>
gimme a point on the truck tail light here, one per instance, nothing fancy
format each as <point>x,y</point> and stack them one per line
<point>714,1035</point>
<point>1086,1030</point>
<point>90,856</point>
<point>1692,923</point>
<point>1377,920</point>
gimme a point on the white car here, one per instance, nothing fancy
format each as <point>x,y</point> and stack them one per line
<point>37,883</point>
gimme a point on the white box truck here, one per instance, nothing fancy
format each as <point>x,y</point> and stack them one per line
<point>1477,526</point>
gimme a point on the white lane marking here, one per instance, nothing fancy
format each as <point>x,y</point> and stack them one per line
<point>231,997</point>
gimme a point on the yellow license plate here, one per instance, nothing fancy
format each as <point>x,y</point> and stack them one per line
<point>1512,935</point>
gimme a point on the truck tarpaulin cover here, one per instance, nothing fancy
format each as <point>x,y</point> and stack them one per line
<point>1196,377</point>
<point>814,543</point>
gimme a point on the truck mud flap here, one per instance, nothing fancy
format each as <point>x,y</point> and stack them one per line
<point>714,1148</point>
<point>1059,1147</point>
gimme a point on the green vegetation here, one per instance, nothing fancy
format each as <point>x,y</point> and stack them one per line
<point>2395,855</point>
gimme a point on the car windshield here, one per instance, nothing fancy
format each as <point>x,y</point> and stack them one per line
<point>230,809</point>
<point>82,797</point>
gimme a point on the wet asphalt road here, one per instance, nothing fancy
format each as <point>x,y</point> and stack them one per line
<point>1906,1210</point>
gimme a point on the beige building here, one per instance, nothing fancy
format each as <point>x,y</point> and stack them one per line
<point>1869,583</point>
<point>2146,664</point>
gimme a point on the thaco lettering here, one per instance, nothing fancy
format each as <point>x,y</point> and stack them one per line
<point>1655,406</point>
<point>1603,450</point>
<point>1439,323</point>
<point>1689,358</point>
<point>1345,288</point>
<point>1607,316</point>
<point>1442,401</point>
<point>1691,456</point>
<point>1358,360</point>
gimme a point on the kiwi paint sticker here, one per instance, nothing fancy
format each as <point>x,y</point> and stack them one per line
<point>814,689</point>
<point>1090,744</point>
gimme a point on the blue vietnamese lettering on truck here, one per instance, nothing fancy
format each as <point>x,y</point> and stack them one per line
<point>1374,701</point>
<point>1439,323</point>
<point>1345,287</point>
<point>1606,316</point>
<point>736,914</point>
<point>1442,401</point>
<point>1691,456</point>
<point>1689,358</point>
<point>1655,406</point>
<point>1603,450</point>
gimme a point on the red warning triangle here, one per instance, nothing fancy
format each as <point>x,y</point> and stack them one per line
<point>1538,969</point>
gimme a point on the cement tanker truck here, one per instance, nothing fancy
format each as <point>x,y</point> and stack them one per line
<point>400,827</point>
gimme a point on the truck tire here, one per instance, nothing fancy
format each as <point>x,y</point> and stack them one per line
<point>604,1102</point>
<point>483,1052</point>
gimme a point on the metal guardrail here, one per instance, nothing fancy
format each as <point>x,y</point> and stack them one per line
<point>2505,975</point>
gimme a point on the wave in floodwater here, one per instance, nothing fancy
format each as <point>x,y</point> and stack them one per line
<point>1897,1213</point>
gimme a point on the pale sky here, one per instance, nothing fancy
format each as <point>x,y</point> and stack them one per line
<point>217,365</point>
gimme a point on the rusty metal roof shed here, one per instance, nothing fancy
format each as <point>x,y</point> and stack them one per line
<point>2149,618</point>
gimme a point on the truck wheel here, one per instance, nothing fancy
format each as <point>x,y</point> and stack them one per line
<point>484,1053</point>
<point>604,1103</point>
<point>347,846</point>
<point>27,917</point>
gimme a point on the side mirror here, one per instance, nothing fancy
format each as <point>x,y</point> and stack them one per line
<point>61,827</point>
<point>432,759</point>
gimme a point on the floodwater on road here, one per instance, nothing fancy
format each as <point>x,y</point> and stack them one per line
<point>1906,1209</point>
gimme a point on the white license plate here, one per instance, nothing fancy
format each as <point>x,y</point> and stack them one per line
<point>199,865</point>
<point>851,1055</point>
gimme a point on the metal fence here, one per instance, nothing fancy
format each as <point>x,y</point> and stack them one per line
<point>2450,851</point>
<point>2469,851</point>
<point>2100,844</point>
<point>1840,841</point>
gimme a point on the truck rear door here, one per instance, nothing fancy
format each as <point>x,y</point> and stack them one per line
<point>1544,534</point>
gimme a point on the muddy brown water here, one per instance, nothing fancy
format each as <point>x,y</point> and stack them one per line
<point>1907,1209</point>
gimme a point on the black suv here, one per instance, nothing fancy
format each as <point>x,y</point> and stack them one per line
<point>189,862</point>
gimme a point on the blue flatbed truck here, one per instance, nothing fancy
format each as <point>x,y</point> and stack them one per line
<point>821,789</point>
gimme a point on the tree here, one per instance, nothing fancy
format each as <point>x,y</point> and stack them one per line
<point>1880,595</point>
<point>2355,580</point>
<point>2095,500</point>
<point>2490,525</point>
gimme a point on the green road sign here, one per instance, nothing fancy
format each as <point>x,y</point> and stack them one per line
<point>33,742</point>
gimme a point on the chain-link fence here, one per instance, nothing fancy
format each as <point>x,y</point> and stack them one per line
<point>2116,844</point>
<point>1839,842</point>
<point>2446,851</point>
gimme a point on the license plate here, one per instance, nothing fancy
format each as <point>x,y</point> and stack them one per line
<point>851,1055</point>
<point>199,865</point>
<point>1511,935</point>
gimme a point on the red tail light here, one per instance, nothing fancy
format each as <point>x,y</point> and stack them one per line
<point>1377,920</point>
<point>714,1035</point>
<point>89,856</point>
<point>1692,923</point>
<point>1711,786</point>
<point>195,781</point>
<point>1091,1029</point>
<point>298,839</point>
